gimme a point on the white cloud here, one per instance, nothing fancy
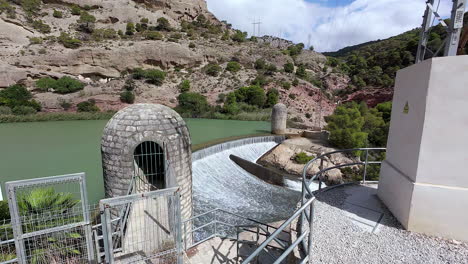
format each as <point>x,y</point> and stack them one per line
<point>330,28</point>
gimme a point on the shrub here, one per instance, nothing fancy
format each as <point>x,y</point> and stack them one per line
<point>295,82</point>
<point>239,36</point>
<point>192,45</point>
<point>86,22</point>
<point>153,35</point>
<point>213,69</point>
<point>5,110</point>
<point>302,158</point>
<point>35,40</point>
<point>69,42</point>
<point>253,95</point>
<point>260,80</point>
<point>130,29</point>
<point>260,64</point>
<point>44,84</point>
<point>233,66</point>
<point>155,76</point>
<point>176,36</point>
<point>42,51</point>
<point>104,33</point>
<point>31,7</point>
<point>286,85</point>
<point>184,86</point>
<point>15,95</point>
<point>24,110</point>
<point>289,67</point>
<point>295,50</point>
<point>193,104</point>
<point>127,97</point>
<point>292,96</point>
<point>308,116</point>
<point>6,7</point>
<point>57,14</point>
<point>40,26</point>
<point>66,85</point>
<point>75,10</point>
<point>163,24</point>
<point>88,106</point>
<point>144,20</point>
<point>129,85</point>
<point>272,97</point>
<point>301,71</point>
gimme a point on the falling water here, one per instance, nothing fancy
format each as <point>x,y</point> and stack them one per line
<point>219,183</point>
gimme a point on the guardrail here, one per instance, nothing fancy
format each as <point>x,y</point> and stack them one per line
<point>306,211</point>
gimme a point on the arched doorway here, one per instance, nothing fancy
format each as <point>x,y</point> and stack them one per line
<point>149,167</point>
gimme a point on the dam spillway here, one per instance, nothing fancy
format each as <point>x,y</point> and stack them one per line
<point>219,183</point>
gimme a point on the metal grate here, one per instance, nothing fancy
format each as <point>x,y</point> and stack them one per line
<point>150,233</point>
<point>50,220</point>
<point>149,167</point>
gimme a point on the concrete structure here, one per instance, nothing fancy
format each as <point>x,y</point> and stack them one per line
<point>279,117</point>
<point>424,180</point>
<point>140,123</point>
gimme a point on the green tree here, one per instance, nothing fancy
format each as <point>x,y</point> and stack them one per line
<point>75,10</point>
<point>345,126</point>
<point>163,24</point>
<point>193,104</point>
<point>44,84</point>
<point>253,95</point>
<point>239,36</point>
<point>67,84</point>
<point>230,106</point>
<point>272,97</point>
<point>301,71</point>
<point>289,67</point>
<point>88,106</point>
<point>155,77</point>
<point>260,64</point>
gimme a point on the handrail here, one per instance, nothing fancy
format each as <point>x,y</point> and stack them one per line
<point>308,202</point>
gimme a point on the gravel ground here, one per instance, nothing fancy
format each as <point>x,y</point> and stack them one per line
<point>338,240</point>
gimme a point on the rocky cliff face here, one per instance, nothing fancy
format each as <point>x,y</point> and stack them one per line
<point>28,54</point>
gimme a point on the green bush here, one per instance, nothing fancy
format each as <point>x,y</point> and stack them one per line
<point>6,7</point>
<point>233,66</point>
<point>253,95</point>
<point>163,24</point>
<point>155,77</point>
<point>23,110</point>
<point>35,40</point>
<point>176,36</point>
<point>301,71</point>
<point>57,14</point>
<point>213,69</point>
<point>193,104</point>
<point>75,10</point>
<point>40,26</point>
<point>66,85</point>
<point>69,42</point>
<point>5,110</point>
<point>292,96</point>
<point>44,84</point>
<point>260,80</point>
<point>129,85</point>
<point>239,36</point>
<point>289,67</point>
<point>31,7</point>
<point>153,35</point>
<point>295,50</point>
<point>17,95</point>
<point>127,97</point>
<point>295,82</point>
<point>302,158</point>
<point>86,22</point>
<point>286,85</point>
<point>130,29</point>
<point>88,106</point>
<point>260,64</point>
<point>104,33</point>
<point>4,211</point>
<point>184,86</point>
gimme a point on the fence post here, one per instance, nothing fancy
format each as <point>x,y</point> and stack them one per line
<point>87,219</point>
<point>178,226</point>
<point>365,167</point>
<point>311,228</point>
<point>106,233</point>
<point>320,175</point>
<point>16,224</point>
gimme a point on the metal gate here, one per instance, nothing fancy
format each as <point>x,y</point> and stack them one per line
<point>143,227</point>
<point>50,220</point>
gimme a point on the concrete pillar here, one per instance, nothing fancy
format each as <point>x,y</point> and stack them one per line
<point>279,117</point>
<point>424,180</point>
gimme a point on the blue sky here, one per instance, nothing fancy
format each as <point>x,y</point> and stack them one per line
<point>331,24</point>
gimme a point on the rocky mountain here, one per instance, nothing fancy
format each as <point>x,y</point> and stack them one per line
<point>101,42</point>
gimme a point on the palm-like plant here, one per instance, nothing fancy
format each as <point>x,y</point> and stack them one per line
<point>42,200</point>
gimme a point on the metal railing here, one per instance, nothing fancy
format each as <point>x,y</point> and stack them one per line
<point>306,211</point>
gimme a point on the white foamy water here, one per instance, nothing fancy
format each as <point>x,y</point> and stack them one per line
<point>219,183</point>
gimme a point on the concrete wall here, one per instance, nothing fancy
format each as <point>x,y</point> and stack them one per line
<point>424,180</point>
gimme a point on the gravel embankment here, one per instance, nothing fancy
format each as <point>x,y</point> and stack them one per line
<point>338,240</point>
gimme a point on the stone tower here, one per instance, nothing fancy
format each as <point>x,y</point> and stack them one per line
<point>279,117</point>
<point>150,143</point>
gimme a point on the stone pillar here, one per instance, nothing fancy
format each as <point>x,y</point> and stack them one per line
<point>279,117</point>
<point>424,180</point>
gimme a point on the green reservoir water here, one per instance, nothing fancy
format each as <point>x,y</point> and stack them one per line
<point>41,149</point>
